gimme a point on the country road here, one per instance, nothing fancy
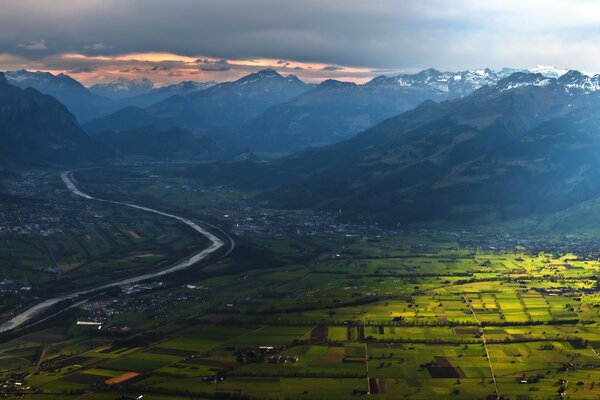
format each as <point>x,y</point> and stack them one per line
<point>69,181</point>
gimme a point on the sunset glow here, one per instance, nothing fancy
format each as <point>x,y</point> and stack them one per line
<point>164,68</point>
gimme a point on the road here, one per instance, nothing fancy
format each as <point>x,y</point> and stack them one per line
<point>485,346</point>
<point>215,244</point>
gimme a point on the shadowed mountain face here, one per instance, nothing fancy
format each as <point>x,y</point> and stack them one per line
<point>273,115</point>
<point>224,106</point>
<point>481,156</point>
<point>230,104</point>
<point>155,95</point>
<point>159,144</point>
<point>122,88</point>
<point>332,112</point>
<point>551,167</point>
<point>36,129</point>
<point>78,99</point>
<point>129,118</point>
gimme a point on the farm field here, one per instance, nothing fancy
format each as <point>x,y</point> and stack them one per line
<point>292,334</point>
<point>116,242</point>
<point>89,243</point>
<point>323,316</point>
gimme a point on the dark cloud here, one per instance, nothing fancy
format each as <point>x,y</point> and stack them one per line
<point>96,47</point>
<point>215,68</point>
<point>332,68</point>
<point>80,70</point>
<point>132,69</point>
<point>34,45</point>
<point>380,34</point>
<point>213,65</point>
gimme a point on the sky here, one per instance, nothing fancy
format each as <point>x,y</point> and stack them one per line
<point>173,40</point>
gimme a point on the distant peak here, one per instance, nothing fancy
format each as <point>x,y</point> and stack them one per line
<point>519,79</point>
<point>259,76</point>
<point>571,74</point>
<point>549,71</point>
<point>429,72</point>
<point>127,81</point>
<point>332,83</point>
<point>523,76</point>
<point>3,80</point>
<point>267,72</point>
<point>293,78</point>
<point>576,81</point>
<point>122,84</point>
<point>377,79</point>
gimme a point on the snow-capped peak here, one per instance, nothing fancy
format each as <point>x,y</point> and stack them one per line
<point>125,84</point>
<point>520,79</point>
<point>549,71</point>
<point>577,81</point>
<point>293,78</point>
<point>268,73</point>
<point>123,87</point>
<point>451,84</point>
<point>189,85</point>
<point>334,83</point>
<point>457,84</point>
<point>23,75</point>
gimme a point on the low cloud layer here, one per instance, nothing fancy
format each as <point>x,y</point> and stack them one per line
<point>343,39</point>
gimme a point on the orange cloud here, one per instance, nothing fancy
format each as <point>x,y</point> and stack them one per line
<point>166,68</point>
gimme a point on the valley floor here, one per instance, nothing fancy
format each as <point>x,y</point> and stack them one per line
<point>301,315</point>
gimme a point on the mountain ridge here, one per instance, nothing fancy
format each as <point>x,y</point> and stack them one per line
<point>430,163</point>
<point>84,104</point>
<point>36,129</point>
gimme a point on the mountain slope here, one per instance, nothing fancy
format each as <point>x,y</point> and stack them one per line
<point>454,160</point>
<point>331,112</point>
<point>220,107</point>
<point>79,100</point>
<point>122,88</point>
<point>402,167</point>
<point>36,129</point>
<point>230,104</point>
<point>156,95</point>
<point>335,111</point>
<point>159,144</point>
<point>550,168</point>
<point>126,119</point>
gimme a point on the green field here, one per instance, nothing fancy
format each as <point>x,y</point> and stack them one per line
<point>329,317</point>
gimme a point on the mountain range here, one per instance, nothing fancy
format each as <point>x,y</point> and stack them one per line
<point>36,129</point>
<point>271,115</point>
<point>263,113</point>
<point>472,147</point>
<point>84,104</point>
<point>226,105</point>
<point>336,110</point>
<point>157,94</point>
<point>527,144</point>
<point>122,88</point>
<point>101,99</point>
